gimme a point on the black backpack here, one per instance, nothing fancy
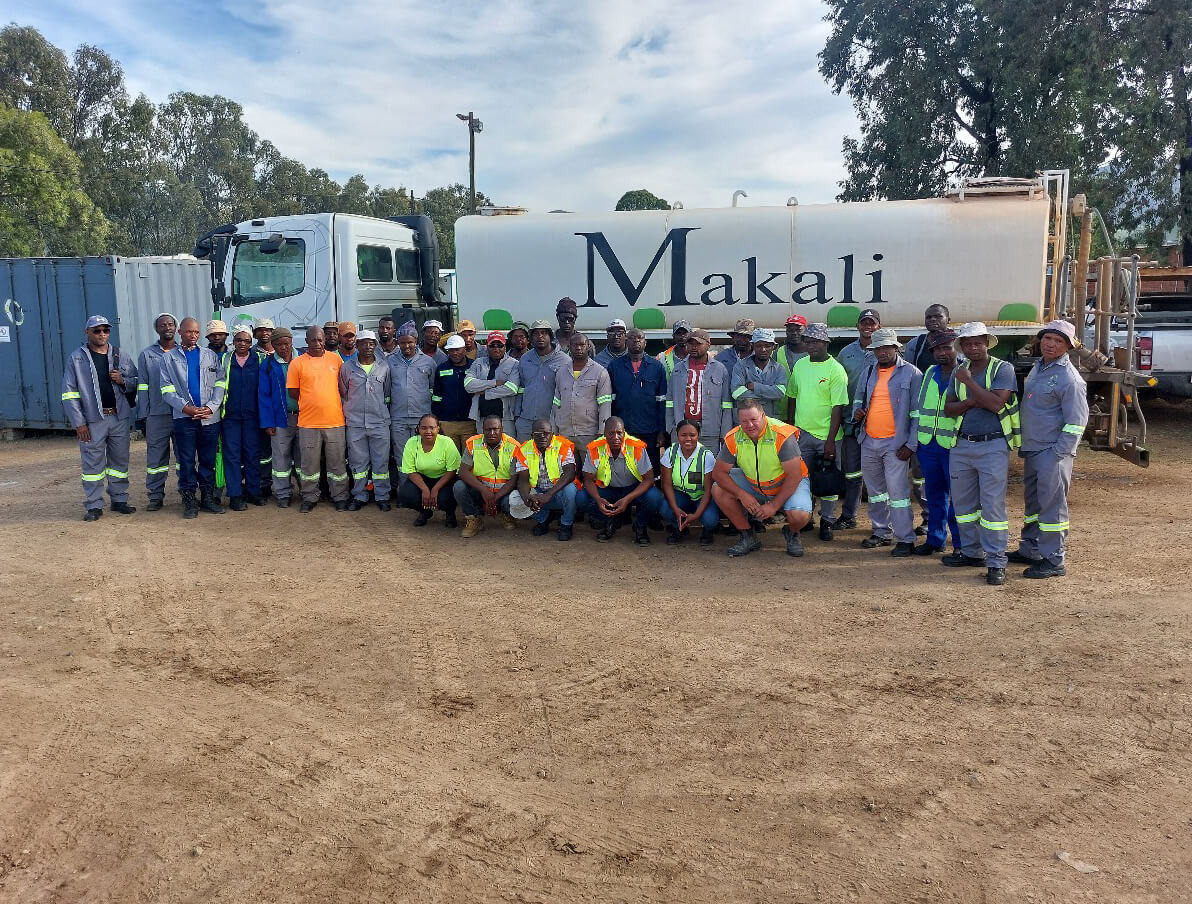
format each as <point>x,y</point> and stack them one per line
<point>826,478</point>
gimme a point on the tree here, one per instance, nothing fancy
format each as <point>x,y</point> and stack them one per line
<point>43,208</point>
<point>969,88</point>
<point>34,75</point>
<point>641,199</point>
<point>444,206</point>
<point>1151,123</point>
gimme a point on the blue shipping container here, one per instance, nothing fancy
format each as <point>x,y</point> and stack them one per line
<point>47,302</point>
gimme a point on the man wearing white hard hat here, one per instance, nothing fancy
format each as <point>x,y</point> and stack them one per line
<point>982,396</point>
<point>617,345</point>
<point>761,377</point>
<point>365,386</point>
<point>1055,411</point>
<point>451,402</point>
<point>885,430</point>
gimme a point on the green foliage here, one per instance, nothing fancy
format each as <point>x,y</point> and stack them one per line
<point>43,208</point>
<point>641,199</point>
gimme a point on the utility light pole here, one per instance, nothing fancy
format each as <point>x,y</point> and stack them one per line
<point>474,126</point>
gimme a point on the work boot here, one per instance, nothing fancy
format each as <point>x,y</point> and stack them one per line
<point>341,505</point>
<point>451,522</point>
<point>355,505</point>
<point>606,531</point>
<point>873,541</point>
<point>1044,569</point>
<point>423,517</point>
<point>902,550</point>
<point>255,500</point>
<point>960,560</point>
<point>641,535</point>
<point>707,537</point>
<point>508,521</point>
<point>672,535</point>
<point>825,529</point>
<point>794,546</point>
<point>383,505</point>
<point>927,549</point>
<point>564,533</point>
<point>1018,557</point>
<point>190,508</point>
<point>473,524</point>
<point>995,576</point>
<point>541,528</point>
<point>123,508</point>
<point>154,505</point>
<point>209,502</point>
<point>845,524</point>
<point>747,543</point>
<point>307,507</point>
<point>237,504</point>
<point>283,501</point>
<point>93,514</point>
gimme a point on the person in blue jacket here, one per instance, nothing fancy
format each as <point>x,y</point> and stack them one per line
<point>278,414</point>
<point>240,427</point>
<point>639,395</point>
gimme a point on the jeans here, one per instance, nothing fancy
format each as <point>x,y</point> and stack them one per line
<point>563,501</point>
<point>472,502</point>
<point>708,520</point>
<point>933,459</point>
<point>195,444</point>
<point>649,502</point>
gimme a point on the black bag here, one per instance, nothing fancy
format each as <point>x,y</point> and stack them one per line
<point>129,394</point>
<point>826,478</point>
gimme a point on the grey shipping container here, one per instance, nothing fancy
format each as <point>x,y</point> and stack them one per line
<point>48,299</point>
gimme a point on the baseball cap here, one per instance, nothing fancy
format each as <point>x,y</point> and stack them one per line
<point>496,336</point>
<point>366,334</point>
<point>702,335</point>
<point>763,335</point>
<point>817,331</point>
<point>465,326</point>
<point>455,341</point>
<point>884,337</point>
<point>215,326</point>
<point>438,324</point>
<point>242,328</point>
<point>871,314</point>
<point>744,327</point>
<point>541,325</point>
<point>616,323</point>
<point>346,327</point>
<point>262,323</point>
<point>796,320</point>
<point>681,325</point>
<point>941,337</point>
<point>97,320</point>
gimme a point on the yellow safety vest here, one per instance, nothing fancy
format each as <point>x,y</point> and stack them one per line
<point>692,482</point>
<point>602,455</point>
<point>929,412</point>
<point>493,474</point>
<point>530,457</point>
<point>1008,416</point>
<point>759,461</point>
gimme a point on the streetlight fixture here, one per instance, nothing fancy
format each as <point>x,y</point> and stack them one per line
<point>474,126</point>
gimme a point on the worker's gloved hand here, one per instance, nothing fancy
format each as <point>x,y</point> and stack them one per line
<point>139,424</point>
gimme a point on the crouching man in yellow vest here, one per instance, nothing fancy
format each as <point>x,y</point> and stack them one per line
<point>486,476</point>
<point>545,467</point>
<point>760,471</point>
<point>617,475</point>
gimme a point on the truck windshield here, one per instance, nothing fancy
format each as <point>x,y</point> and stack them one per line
<point>257,276</point>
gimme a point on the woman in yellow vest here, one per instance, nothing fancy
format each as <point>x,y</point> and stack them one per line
<point>937,436</point>
<point>687,485</point>
<point>759,472</point>
<point>545,468</point>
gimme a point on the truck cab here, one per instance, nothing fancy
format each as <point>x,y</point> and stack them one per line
<point>307,269</point>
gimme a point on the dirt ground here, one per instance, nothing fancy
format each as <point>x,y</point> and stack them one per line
<point>342,708</point>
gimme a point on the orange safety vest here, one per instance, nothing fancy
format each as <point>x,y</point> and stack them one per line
<point>602,456</point>
<point>486,470</point>
<point>531,458</point>
<point>759,461</point>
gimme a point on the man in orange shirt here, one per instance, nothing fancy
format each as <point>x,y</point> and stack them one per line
<point>313,381</point>
<point>885,401</point>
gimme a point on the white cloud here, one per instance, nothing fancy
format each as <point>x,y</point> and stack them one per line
<point>580,101</point>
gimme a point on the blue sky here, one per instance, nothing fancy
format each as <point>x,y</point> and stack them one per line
<point>580,100</point>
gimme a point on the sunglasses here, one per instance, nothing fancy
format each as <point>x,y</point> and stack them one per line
<point>101,329</point>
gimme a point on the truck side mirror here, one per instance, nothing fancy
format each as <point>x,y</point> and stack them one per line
<point>273,244</point>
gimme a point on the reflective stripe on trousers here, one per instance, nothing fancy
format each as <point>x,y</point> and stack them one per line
<point>1046,479</point>
<point>889,484</point>
<point>977,475</point>
<point>105,457</point>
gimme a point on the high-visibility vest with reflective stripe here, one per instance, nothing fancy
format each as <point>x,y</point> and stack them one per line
<point>759,461</point>
<point>1008,416</point>
<point>493,474</point>
<point>529,456</point>
<point>933,423</point>
<point>602,455</point>
<point>691,482</point>
<point>668,361</point>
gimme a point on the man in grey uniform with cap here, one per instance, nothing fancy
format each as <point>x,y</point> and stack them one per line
<point>761,377</point>
<point>885,402</point>
<point>494,380</point>
<point>982,396</point>
<point>538,368</point>
<point>155,417</point>
<point>855,358</point>
<point>618,343</point>
<point>364,386</point>
<point>1055,411</point>
<point>412,375</point>
<point>94,384</point>
<point>698,391</point>
<point>741,346</point>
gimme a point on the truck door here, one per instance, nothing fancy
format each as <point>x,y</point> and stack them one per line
<point>287,285</point>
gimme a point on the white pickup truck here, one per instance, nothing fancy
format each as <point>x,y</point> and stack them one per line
<point>1163,344</point>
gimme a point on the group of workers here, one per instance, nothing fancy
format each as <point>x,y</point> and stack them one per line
<point>534,425</point>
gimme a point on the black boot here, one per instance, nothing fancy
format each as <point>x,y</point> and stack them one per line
<point>154,505</point>
<point>209,502</point>
<point>746,544</point>
<point>190,507</point>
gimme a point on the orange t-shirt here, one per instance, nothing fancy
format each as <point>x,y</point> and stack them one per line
<point>317,380</point>
<point>879,422</point>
